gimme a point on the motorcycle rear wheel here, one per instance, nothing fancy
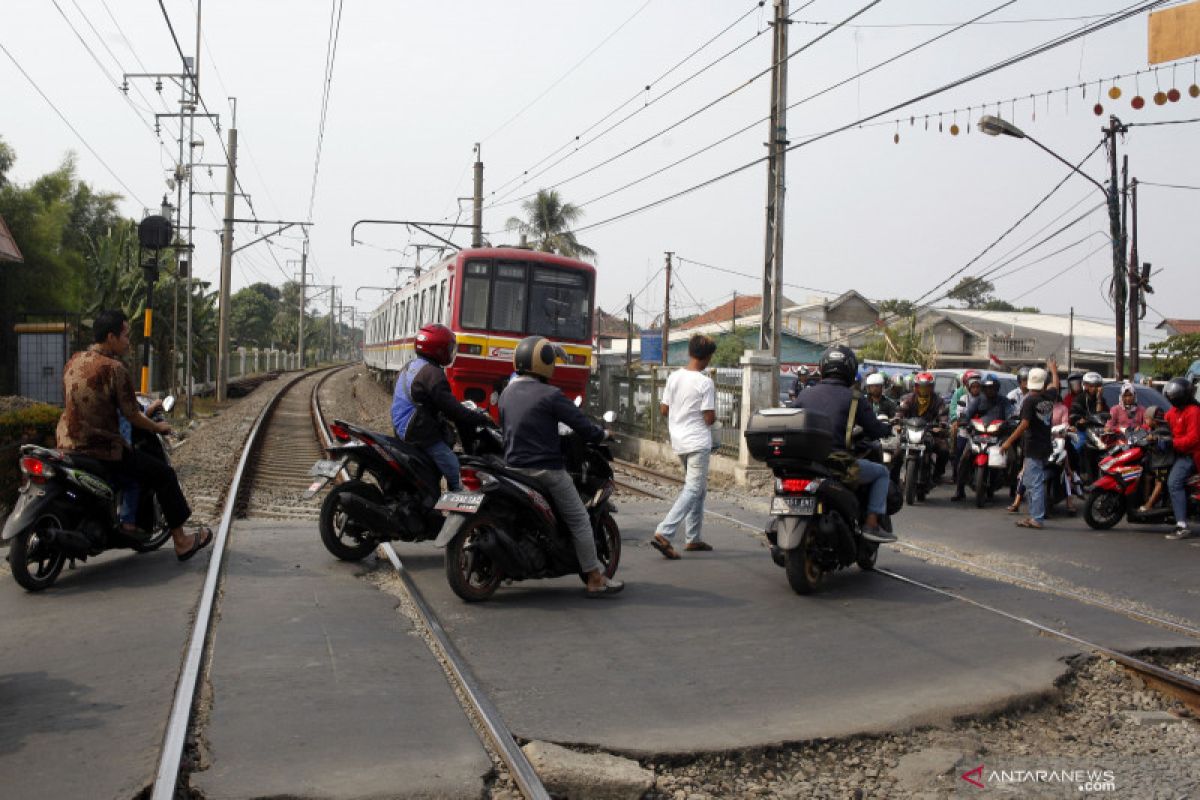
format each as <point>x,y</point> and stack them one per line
<point>472,576</point>
<point>1103,510</point>
<point>911,468</point>
<point>342,537</point>
<point>28,548</point>
<point>804,575</point>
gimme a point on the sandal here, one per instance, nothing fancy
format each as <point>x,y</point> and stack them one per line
<point>609,588</point>
<point>198,543</point>
<point>660,543</point>
<point>1015,508</point>
<point>1028,523</point>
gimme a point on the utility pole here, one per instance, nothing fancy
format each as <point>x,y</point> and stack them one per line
<point>733,322</point>
<point>1118,243</point>
<point>303,291</point>
<point>629,336</point>
<point>1134,287</point>
<point>332,302</point>
<point>477,215</point>
<point>772,294</point>
<point>666,328</point>
<point>226,267</point>
<point>1071,342</point>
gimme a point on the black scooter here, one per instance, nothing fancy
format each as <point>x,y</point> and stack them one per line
<point>67,509</point>
<point>503,527</point>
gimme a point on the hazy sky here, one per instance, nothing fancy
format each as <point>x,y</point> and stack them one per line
<point>415,85</point>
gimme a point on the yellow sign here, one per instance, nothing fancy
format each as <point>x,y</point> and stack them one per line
<point>1175,33</point>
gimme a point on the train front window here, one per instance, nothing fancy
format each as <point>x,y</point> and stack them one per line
<point>476,286</point>
<point>559,304</point>
<point>508,297</point>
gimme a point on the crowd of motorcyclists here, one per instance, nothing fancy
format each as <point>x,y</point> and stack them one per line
<point>1078,415</point>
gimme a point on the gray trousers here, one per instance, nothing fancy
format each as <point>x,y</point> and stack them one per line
<point>558,484</point>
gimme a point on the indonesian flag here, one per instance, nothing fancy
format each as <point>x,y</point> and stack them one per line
<point>994,362</point>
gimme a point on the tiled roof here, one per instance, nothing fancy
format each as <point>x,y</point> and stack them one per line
<point>746,304</point>
<point>1183,326</point>
<point>8,245</point>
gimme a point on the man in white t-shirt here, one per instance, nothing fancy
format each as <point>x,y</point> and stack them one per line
<point>689,403</point>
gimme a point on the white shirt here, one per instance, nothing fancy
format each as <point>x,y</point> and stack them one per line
<point>687,396</point>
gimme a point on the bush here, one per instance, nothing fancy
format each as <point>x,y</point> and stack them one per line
<point>21,423</point>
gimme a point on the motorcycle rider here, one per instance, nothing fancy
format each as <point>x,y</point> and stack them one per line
<point>881,405</point>
<point>1086,403</point>
<point>1184,419</point>
<point>96,384</point>
<point>1074,388</point>
<point>1017,396</point>
<point>422,401</point>
<point>530,411</point>
<point>833,397</point>
<point>989,406</point>
<point>1127,413</point>
<point>958,408</point>
<point>924,402</point>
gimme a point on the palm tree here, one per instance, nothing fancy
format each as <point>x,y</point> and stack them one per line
<point>548,222</point>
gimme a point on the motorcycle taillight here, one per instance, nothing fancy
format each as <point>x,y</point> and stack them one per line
<point>793,485</point>
<point>339,433</point>
<point>38,471</point>
<point>470,480</point>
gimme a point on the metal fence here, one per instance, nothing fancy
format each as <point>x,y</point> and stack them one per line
<point>634,396</point>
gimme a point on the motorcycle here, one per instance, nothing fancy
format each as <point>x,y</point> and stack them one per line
<point>68,510</point>
<point>1098,442</point>
<point>502,526</point>
<point>919,457</point>
<point>816,525</point>
<point>1125,481</point>
<point>986,462</point>
<point>890,449</point>
<point>392,489</point>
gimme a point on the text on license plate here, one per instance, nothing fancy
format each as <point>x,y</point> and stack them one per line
<point>794,506</point>
<point>461,502</point>
<point>327,468</point>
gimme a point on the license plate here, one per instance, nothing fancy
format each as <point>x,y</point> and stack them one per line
<point>460,502</point>
<point>327,468</point>
<point>794,506</point>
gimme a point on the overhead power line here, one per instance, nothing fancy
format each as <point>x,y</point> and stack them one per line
<point>74,130</point>
<point>1168,185</point>
<point>1063,271</point>
<point>335,29</point>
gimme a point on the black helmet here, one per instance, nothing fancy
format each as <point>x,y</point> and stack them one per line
<point>1075,376</point>
<point>1023,374</point>
<point>534,355</point>
<point>990,381</point>
<point>839,362</point>
<point>1178,391</point>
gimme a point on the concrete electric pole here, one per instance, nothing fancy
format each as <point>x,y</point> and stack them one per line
<point>666,329</point>
<point>226,270</point>
<point>477,215</point>
<point>303,292</point>
<point>772,292</point>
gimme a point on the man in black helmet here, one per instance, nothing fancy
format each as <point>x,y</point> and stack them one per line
<point>833,397</point>
<point>530,410</point>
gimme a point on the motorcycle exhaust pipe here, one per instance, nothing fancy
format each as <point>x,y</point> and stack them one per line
<point>73,543</point>
<point>372,516</point>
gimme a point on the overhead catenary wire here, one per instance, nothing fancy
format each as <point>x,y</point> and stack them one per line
<point>1063,271</point>
<point>1168,185</point>
<point>74,130</point>
<point>335,28</point>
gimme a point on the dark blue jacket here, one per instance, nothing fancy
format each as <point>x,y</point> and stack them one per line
<point>831,397</point>
<point>529,415</point>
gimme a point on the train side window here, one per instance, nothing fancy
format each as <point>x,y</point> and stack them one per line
<point>476,280</point>
<point>441,306</point>
<point>424,317</point>
<point>508,297</point>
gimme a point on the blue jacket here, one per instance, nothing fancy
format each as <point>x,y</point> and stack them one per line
<point>529,415</point>
<point>832,398</point>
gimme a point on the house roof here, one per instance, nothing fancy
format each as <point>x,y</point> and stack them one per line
<point>724,313</point>
<point>8,245</point>
<point>850,295</point>
<point>1182,326</point>
<point>607,324</point>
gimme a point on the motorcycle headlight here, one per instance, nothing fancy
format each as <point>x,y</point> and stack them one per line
<point>915,435</point>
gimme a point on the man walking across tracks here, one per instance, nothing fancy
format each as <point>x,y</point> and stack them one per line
<point>690,405</point>
<point>1037,411</point>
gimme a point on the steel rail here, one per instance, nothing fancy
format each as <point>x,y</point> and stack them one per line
<point>497,731</point>
<point>171,755</point>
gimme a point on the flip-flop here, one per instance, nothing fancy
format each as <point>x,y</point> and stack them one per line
<point>660,543</point>
<point>1028,523</point>
<point>1014,509</point>
<point>610,588</point>
<point>198,543</point>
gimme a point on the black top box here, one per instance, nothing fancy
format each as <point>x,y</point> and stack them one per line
<point>789,433</point>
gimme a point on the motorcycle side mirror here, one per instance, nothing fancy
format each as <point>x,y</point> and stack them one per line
<point>610,417</point>
<point>578,400</point>
<point>168,403</point>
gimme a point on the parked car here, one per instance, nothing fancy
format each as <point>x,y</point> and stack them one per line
<point>1147,396</point>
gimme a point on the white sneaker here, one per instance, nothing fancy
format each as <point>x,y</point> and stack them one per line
<point>1182,531</point>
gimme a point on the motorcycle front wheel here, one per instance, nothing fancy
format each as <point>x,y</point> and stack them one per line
<point>472,576</point>
<point>34,562</point>
<point>1103,509</point>
<point>981,486</point>
<point>160,533</point>
<point>911,468</point>
<point>804,574</point>
<point>608,546</point>
<point>341,536</point>
<point>868,554</point>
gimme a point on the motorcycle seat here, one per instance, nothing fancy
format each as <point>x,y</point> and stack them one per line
<point>101,469</point>
<point>410,450</point>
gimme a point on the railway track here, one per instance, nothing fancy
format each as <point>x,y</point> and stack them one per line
<point>1183,687</point>
<point>287,437</point>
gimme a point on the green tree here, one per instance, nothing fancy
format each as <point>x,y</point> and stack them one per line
<point>898,307</point>
<point>548,222</point>
<point>252,313</point>
<point>1173,355</point>
<point>995,304</point>
<point>972,292</point>
<point>730,348</point>
<point>899,342</point>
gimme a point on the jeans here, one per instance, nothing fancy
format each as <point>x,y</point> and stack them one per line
<point>877,476</point>
<point>1034,480</point>
<point>558,484</point>
<point>688,510</point>
<point>1181,470</point>
<point>447,462</point>
<point>131,492</point>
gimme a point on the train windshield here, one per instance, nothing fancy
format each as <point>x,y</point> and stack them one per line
<point>522,298</point>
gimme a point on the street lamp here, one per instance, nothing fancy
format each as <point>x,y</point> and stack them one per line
<point>995,126</point>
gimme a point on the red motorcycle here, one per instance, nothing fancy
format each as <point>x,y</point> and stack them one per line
<point>1125,482</point>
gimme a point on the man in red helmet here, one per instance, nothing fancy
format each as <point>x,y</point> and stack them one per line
<point>423,402</point>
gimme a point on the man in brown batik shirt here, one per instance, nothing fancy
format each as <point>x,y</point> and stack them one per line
<point>95,385</point>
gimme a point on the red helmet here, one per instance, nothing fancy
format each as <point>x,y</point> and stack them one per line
<point>923,379</point>
<point>969,377</point>
<point>437,343</point>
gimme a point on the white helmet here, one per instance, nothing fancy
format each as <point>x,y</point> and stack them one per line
<point>875,379</point>
<point>1092,379</point>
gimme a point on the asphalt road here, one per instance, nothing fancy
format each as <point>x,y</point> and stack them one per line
<point>88,671</point>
